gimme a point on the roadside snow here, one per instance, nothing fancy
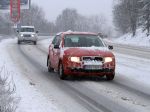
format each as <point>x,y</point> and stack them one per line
<point>133,67</point>
<point>46,42</point>
<point>31,99</point>
<point>140,39</point>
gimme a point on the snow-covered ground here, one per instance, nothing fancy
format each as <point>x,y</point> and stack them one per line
<point>30,99</point>
<point>140,39</point>
<point>46,42</point>
<point>134,68</point>
<point>129,66</point>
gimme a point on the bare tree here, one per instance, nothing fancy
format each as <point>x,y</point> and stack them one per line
<point>67,20</point>
<point>70,19</point>
<point>5,24</point>
<point>145,15</point>
<point>36,16</point>
<point>126,14</point>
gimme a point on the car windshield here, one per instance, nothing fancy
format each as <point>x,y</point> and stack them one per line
<point>27,30</point>
<point>82,41</point>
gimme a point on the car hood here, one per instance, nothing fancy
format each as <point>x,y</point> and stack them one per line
<point>88,51</point>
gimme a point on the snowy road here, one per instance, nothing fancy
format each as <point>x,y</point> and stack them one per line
<point>124,94</point>
<point>142,52</point>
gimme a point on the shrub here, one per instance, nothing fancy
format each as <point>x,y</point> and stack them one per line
<point>8,100</point>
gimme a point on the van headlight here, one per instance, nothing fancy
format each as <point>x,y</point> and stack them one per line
<point>75,59</point>
<point>108,59</point>
<point>32,35</point>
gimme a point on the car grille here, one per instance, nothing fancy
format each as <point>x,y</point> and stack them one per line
<point>92,63</point>
<point>92,58</point>
<point>27,35</point>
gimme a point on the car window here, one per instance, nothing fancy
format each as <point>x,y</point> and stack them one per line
<point>56,40</point>
<point>27,30</point>
<point>82,41</point>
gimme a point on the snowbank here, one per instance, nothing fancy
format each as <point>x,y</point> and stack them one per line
<point>140,39</point>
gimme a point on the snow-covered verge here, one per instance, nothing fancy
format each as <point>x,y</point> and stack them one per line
<point>8,98</point>
<point>140,39</point>
<point>30,99</point>
<point>46,42</point>
<point>134,68</point>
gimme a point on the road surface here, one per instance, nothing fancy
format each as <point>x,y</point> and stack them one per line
<point>81,95</point>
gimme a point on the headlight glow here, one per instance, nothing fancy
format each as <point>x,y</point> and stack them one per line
<point>32,35</point>
<point>21,35</point>
<point>75,59</point>
<point>108,59</point>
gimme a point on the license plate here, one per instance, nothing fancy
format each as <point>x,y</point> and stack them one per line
<point>92,67</point>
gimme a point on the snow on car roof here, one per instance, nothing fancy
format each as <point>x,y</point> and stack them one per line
<point>82,33</point>
<point>59,33</point>
<point>69,32</point>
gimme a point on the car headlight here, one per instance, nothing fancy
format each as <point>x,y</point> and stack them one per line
<point>32,35</point>
<point>75,59</point>
<point>21,35</point>
<point>108,59</point>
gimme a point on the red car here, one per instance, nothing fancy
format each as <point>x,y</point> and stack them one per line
<point>80,54</point>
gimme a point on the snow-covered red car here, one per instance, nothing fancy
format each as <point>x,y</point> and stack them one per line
<point>80,54</point>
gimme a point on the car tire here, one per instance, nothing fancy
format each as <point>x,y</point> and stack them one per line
<point>35,43</point>
<point>110,77</point>
<point>50,69</point>
<point>19,42</point>
<point>61,72</point>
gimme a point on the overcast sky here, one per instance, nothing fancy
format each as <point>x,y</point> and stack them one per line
<point>53,8</point>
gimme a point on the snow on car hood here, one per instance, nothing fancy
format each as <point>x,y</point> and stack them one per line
<point>86,51</point>
<point>30,33</point>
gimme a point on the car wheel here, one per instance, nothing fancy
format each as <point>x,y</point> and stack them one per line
<point>50,69</point>
<point>61,72</point>
<point>110,77</point>
<point>19,42</point>
<point>35,43</point>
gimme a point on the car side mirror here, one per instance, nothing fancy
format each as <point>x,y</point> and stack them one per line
<point>37,31</point>
<point>110,47</point>
<point>56,46</point>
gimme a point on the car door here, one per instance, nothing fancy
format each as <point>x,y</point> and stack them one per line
<point>56,52</point>
<point>51,51</point>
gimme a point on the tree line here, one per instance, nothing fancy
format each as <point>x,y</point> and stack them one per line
<point>69,19</point>
<point>132,14</point>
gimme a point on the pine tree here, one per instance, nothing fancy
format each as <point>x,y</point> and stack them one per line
<point>146,16</point>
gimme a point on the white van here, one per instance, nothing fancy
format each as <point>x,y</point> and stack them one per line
<point>27,34</point>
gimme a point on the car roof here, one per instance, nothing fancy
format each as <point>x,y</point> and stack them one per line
<point>27,26</point>
<point>78,33</point>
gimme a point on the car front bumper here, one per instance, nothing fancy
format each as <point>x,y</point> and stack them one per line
<point>27,39</point>
<point>89,72</point>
